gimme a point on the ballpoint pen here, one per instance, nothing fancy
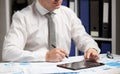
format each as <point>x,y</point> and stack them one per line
<point>55,47</point>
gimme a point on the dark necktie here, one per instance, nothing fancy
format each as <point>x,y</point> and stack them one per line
<point>51,31</point>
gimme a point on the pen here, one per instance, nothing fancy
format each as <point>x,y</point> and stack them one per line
<point>55,47</point>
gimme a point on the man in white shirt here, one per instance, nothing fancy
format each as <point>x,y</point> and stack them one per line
<point>27,39</point>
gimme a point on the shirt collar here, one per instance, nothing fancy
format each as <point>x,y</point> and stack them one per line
<point>41,9</point>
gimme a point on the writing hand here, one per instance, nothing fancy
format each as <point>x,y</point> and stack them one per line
<point>56,55</point>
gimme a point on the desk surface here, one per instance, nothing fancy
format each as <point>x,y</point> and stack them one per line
<point>112,66</point>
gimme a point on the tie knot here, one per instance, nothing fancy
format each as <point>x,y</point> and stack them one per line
<point>49,15</point>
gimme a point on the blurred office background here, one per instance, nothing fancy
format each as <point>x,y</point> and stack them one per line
<point>107,43</point>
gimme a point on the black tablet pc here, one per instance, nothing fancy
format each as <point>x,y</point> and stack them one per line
<point>80,65</point>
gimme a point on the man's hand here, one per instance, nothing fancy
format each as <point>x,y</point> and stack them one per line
<point>91,54</point>
<point>56,55</point>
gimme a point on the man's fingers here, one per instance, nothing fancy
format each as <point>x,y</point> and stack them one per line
<point>56,55</point>
<point>87,55</point>
<point>91,54</point>
<point>61,54</point>
<point>64,52</point>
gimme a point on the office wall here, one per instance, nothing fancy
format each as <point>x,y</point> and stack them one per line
<point>2,25</point>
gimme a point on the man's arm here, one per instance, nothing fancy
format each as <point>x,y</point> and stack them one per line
<point>83,40</point>
<point>15,41</point>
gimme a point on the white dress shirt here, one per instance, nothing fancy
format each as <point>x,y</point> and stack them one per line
<point>27,39</point>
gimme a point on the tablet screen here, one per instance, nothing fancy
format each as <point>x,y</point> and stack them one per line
<point>80,65</point>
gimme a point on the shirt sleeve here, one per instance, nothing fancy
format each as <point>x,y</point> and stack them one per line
<point>15,40</point>
<point>81,38</point>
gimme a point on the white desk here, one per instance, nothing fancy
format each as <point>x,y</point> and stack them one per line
<point>112,66</point>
